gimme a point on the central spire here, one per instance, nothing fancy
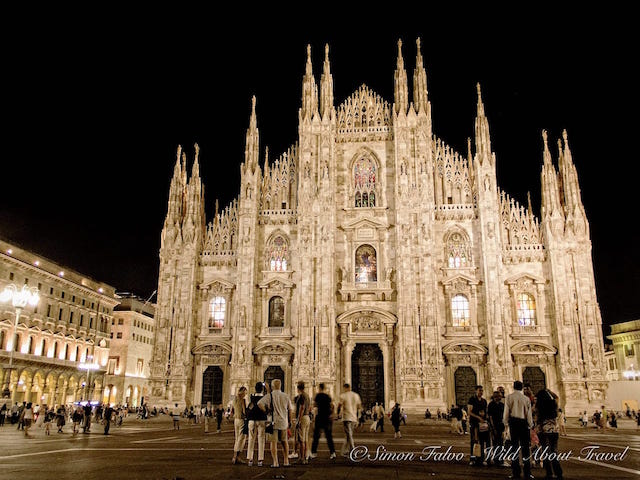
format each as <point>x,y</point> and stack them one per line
<point>326,86</point>
<point>420,97</point>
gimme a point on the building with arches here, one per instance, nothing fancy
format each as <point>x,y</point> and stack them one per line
<point>68,328</point>
<point>371,252</point>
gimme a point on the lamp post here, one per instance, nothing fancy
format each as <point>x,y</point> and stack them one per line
<point>19,299</point>
<point>88,366</point>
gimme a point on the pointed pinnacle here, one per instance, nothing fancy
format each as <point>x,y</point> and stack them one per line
<point>326,52</point>
<point>419,55</point>
<point>253,122</point>
<point>400,59</point>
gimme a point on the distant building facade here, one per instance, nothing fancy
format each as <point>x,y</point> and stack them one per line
<point>132,331</point>
<point>68,328</point>
<point>623,359</point>
<point>373,253</point>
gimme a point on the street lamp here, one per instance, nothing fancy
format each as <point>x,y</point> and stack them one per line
<point>19,299</point>
<point>88,366</point>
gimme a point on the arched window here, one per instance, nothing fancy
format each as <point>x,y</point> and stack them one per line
<point>55,350</point>
<point>366,264</point>
<point>277,255</point>
<point>276,312</point>
<point>217,312</point>
<point>460,311</point>
<point>364,182</point>
<point>29,348</point>
<point>43,347</point>
<point>526,310</point>
<point>3,339</point>
<point>16,346</point>
<point>457,251</point>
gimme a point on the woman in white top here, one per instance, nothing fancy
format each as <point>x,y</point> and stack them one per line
<point>27,418</point>
<point>239,409</point>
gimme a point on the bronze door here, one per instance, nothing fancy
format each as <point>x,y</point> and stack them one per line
<point>274,372</point>
<point>465,382</point>
<point>535,377</point>
<point>367,373</point>
<point>212,385</point>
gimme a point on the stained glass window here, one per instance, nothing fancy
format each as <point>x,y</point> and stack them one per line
<point>457,251</point>
<point>526,310</point>
<point>277,255</point>
<point>366,264</point>
<point>460,311</point>
<point>217,312</point>
<point>276,312</point>
<point>364,176</point>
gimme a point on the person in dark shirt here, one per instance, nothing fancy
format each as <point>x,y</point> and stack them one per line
<point>547,430</point>
<point>324,421</point>
<point>478,425</point>
<point>219,414</point>
<point>495,409</point>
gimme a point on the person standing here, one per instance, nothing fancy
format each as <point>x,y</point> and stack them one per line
<point>280,404</point>
<point>396,417</point>
<point>27,418</point>
<point>207,413</point>
<point>257,419</point>
<point>517,414</point>
<point>3,414</point>
<point>495,409</point>
<point>381,414</point>
<point>219,415</point>
<point>562,421</point>
<point>324,421</point>
<point>239,410</point>
<point>61,415</point>
<point>477,407</point>
<point>303,421</point>
<point>107,415</point>
<point>349,405</point>
<point>547,428</point>
<point>76,418</point>
<point>87,418</point>
<point>175,415</point>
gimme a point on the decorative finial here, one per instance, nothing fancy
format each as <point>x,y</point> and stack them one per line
<point>326,52</point>
<point>479,92</point>
<point>253,104</point>
<point>308,53</point>
<point>418,44</point>
<point>565,136</point>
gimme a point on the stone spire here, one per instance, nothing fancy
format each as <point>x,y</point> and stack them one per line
<point>420,97</point>
<point>483,139</point>
<point>251,152</point>
<point>176,191</point>
<point>549,183</point>
<point>326,86</point>
<point>401,90</point>
<point>309,90</point>
<point>574,209</point>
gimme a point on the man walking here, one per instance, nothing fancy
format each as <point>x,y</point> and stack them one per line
<point>350,404</point>
<point>108,413</point>
<point>280,404</point>
<point>324,421</point>
<point>517,414</point>
<point>477,408</point>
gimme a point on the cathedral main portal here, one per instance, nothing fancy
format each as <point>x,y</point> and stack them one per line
<point>212,385</point>
<point>272,373</point>
<point>367,373</point>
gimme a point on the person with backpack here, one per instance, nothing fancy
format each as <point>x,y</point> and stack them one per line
<point>257,419</point>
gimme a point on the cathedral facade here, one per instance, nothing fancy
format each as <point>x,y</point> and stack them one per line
<point>372,253</point>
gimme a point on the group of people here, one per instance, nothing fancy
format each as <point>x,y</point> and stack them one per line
<point>270,411</point>
<point>80,416</point>
<point>520,422</point>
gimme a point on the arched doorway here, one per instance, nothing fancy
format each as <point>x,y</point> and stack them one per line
<point>212,385</point>
<point>273,372</point>
<point>367,373</point>
<point>465,380</point>
<point>535,377</point>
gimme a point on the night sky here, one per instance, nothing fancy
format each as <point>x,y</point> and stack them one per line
<point>96,107</point>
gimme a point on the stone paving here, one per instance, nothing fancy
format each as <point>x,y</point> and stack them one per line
<point>152,450</point>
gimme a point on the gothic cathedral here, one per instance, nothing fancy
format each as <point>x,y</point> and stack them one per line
<point>371,252</point>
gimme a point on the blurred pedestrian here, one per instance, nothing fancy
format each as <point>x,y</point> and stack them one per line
<point>324,421</point>
<point>350,404</point>
<point>396,416</point>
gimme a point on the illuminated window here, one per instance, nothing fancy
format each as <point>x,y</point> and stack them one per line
<point>629,351</point>
<point>526,310</point>
<point>366,264</point>
<point>457,251</point>
<point>460,311</point>
<point>217,312</point>
<point>364,178</point>
<point>277,255</point>
<point>276,312</point>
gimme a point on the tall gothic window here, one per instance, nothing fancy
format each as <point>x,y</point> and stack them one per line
<point>217,312</point>
<point>526,310</point>
<point>364,177</point>
<point>277,255</point>
<point>460,311</point>
<point>457,251</point>
<point>276,312</point>
<point>366,264</point>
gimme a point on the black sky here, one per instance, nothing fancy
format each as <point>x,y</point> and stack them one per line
<point>97,106</point>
